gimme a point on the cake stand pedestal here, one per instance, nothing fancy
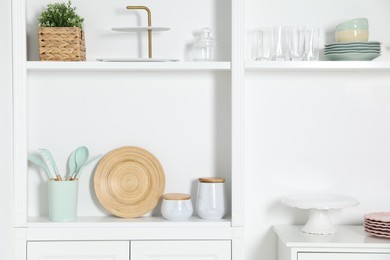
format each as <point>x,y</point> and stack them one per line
<point>319,222</point>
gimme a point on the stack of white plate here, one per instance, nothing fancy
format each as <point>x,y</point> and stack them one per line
<point>353,50</point>
<point>377,224</point>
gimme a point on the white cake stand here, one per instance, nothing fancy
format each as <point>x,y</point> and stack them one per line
<point>319,205</point>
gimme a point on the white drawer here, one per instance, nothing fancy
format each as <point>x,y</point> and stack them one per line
<point>81,250</point>
<point>181,250</point>
<point>343,256</point>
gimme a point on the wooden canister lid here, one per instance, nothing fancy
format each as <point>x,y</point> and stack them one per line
<point>212,180</point>
<point>176,196</point>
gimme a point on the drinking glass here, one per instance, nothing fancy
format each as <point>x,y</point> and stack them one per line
<point>297,43</point>
<point>264,44</point>
<point>312,44</point>
<point>281,51</point>
<point>251,44</point>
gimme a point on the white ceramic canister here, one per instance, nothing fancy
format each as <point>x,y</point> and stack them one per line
<point>211,201</point>
<point>176,206</point>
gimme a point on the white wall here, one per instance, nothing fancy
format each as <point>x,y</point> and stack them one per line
<point>5,131</point>
<point>313,132</point>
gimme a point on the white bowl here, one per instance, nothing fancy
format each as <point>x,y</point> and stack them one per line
<point>358,35</point>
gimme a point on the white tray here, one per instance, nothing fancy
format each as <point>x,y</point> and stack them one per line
<point>136,60</point>
<point>140,29</point>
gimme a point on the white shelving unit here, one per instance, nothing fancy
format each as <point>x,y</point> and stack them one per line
<point>206,89</point>
<point>198,118</point>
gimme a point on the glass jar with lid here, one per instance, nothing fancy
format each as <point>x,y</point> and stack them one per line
<point>205,47</point>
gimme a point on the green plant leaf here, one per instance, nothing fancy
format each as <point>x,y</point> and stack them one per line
<point>60,15</point>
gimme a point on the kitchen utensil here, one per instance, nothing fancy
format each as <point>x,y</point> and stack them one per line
<point>39,162</point>
<point>78,174</point>
<point>81,157</point>
<point>72,165</point>
<point>48,157</point>
<point>129,181</point>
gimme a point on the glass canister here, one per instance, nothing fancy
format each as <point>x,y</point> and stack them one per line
<point>205,47</point>
<point>176,206</point>
<point>211,201</point>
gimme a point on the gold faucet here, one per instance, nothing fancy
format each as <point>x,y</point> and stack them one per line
<point>149,24</point>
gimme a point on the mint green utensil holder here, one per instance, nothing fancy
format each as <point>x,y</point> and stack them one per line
<point>63,200</point>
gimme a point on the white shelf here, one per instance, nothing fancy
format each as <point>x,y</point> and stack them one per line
<point>112,221</point>
<point>127,66</point>
<point>113,228</point>
<point>317,65</point>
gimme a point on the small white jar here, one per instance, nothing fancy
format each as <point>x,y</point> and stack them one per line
<point>211,201</point>
<point>176,206</point>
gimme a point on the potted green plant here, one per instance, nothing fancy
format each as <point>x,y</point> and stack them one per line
<point>61,35</point>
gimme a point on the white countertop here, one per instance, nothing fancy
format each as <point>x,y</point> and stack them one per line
<point>347,236</point>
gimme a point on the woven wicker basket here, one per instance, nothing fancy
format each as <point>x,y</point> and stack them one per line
<point>61,44</point>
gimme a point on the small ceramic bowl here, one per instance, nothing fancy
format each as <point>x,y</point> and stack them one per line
<point>176,206</point>
<point>355,30</point>
<point>352,36</point>
<point>354,24</point>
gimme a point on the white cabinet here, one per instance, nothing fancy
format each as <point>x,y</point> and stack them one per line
<point>97,250</point>
<point>140,250</point>
<point>181,250</point>
<point>193,116</point>
<point>343,256</point>
<point>350,243</point>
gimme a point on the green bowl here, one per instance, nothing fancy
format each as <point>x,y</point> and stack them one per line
<point>355,24</point>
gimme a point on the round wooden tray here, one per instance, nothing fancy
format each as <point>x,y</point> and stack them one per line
<point>129,181</point>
